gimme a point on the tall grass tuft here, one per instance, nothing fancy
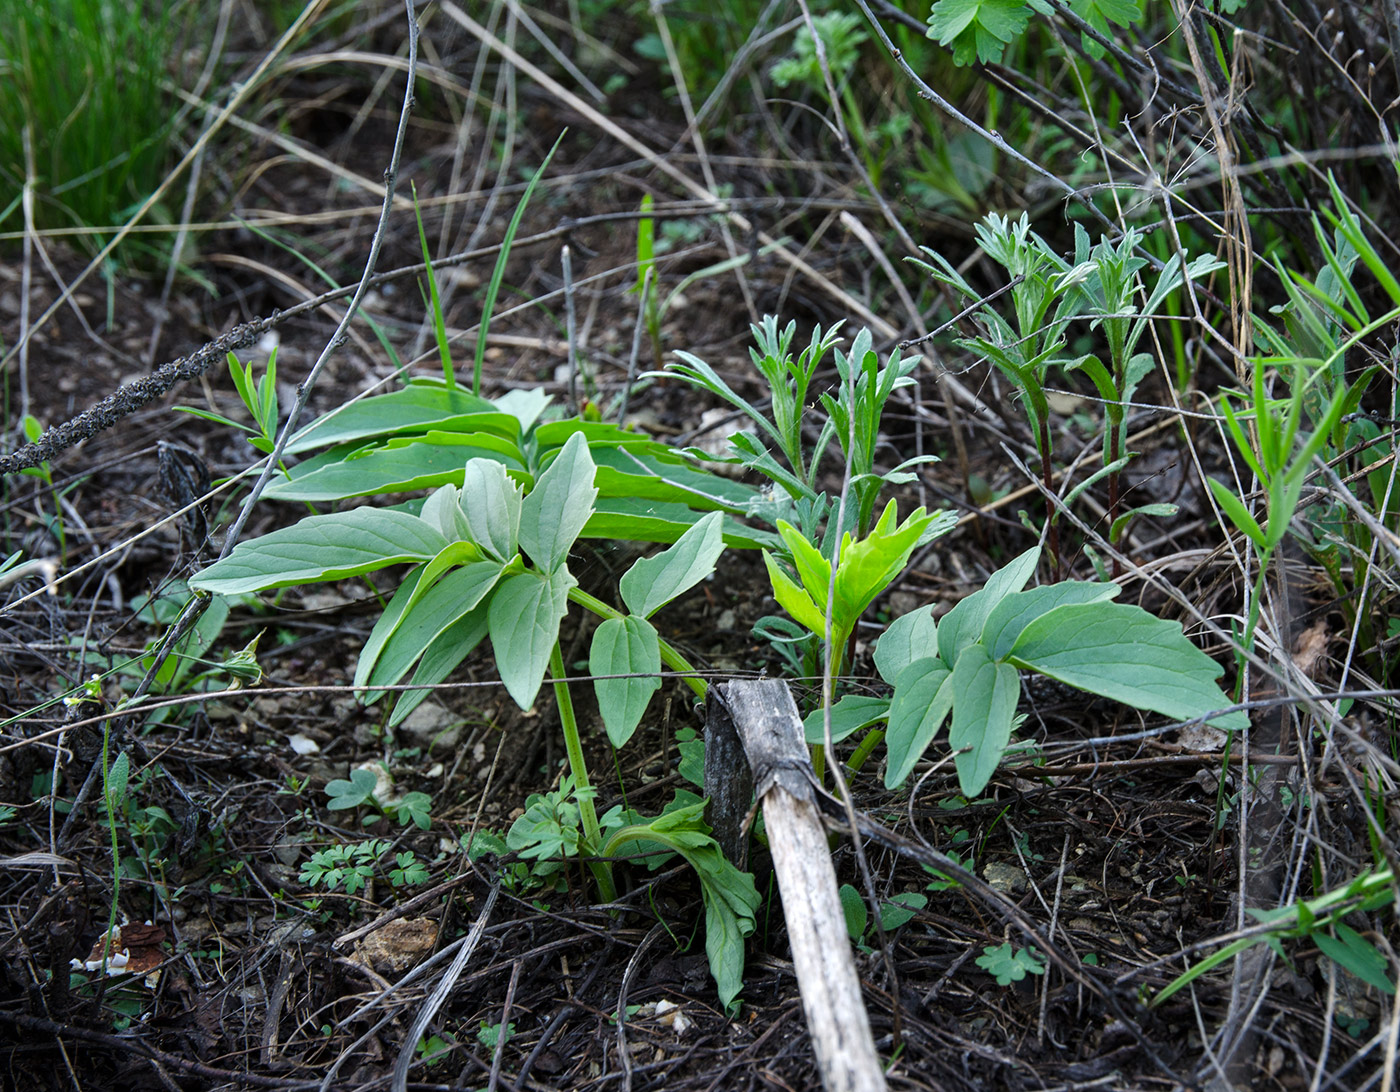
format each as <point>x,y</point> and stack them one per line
<point>84,78</point>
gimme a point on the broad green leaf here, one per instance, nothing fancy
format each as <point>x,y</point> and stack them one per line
<point>792,598</point>
<point>850,714</point>
<point>1009,617</point>
<point>984,707</point>
<point>525,404</point>
<point>962,625</point>
<point>977,30</point>
<point>523,621</point>
<point>454,596</point>
<point>416,408</point>
<point>451,647</point>
<point>645,471</point>
<point>558,507</point>
<point>923,696</point>
<point>424,578</point>
<point>625,646</point>
<point>388,622</point>
<point>653,582</point>
<point>330,547</point>
<point>397,466</point>
<point>731,901</point>
<point>854,910</point>
<point>441,509</point>
<point>1124,653</point>
<point>631,520</point>
<point>599,435</point>
<point>901,909</point>
<point>490,503</point>
<point>909,637</point>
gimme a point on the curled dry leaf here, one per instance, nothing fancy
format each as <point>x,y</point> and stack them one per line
<point>397,945</point>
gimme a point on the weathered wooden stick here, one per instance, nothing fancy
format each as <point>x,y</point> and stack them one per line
<point>764,716</point>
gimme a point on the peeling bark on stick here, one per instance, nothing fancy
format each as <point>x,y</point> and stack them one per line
<point>764,716</point>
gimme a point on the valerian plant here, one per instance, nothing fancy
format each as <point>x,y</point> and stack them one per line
<point>965,670</point>
<point>490,560</point>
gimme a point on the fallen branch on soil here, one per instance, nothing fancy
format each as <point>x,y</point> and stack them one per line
<point>765,718</point>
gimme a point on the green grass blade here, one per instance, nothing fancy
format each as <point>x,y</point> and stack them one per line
<point>498,274</point>
<point>435,301</point>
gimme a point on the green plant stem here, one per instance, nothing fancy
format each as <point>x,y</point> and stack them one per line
<point>1047,476</point>
<point>116,849</point>
<point>873,739</point>
<point>578,766</point>
<point>669,656</point>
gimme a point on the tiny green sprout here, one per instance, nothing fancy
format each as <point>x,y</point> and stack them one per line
<point>243,666</point>
<point>415,806</point>
<point>410,871</point>
<point>1008,964</point>
<point>488,1035</point>
<point>432,1048</point>
<point>91,690</point>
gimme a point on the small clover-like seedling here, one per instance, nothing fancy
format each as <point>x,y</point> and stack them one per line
<point>347,867</point>
<point>550,825</point>
<point>410,871</point>
<point>359,790</point>
<point>489,1035</point>
<point>894,912</point>
<point>415,806</point>
<point>1008,964</point>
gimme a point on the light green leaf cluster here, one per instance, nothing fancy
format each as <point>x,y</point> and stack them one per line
<point>865,568</point>
<point>490,561</point>
<point>423,435</point>
<point>978,29</point>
